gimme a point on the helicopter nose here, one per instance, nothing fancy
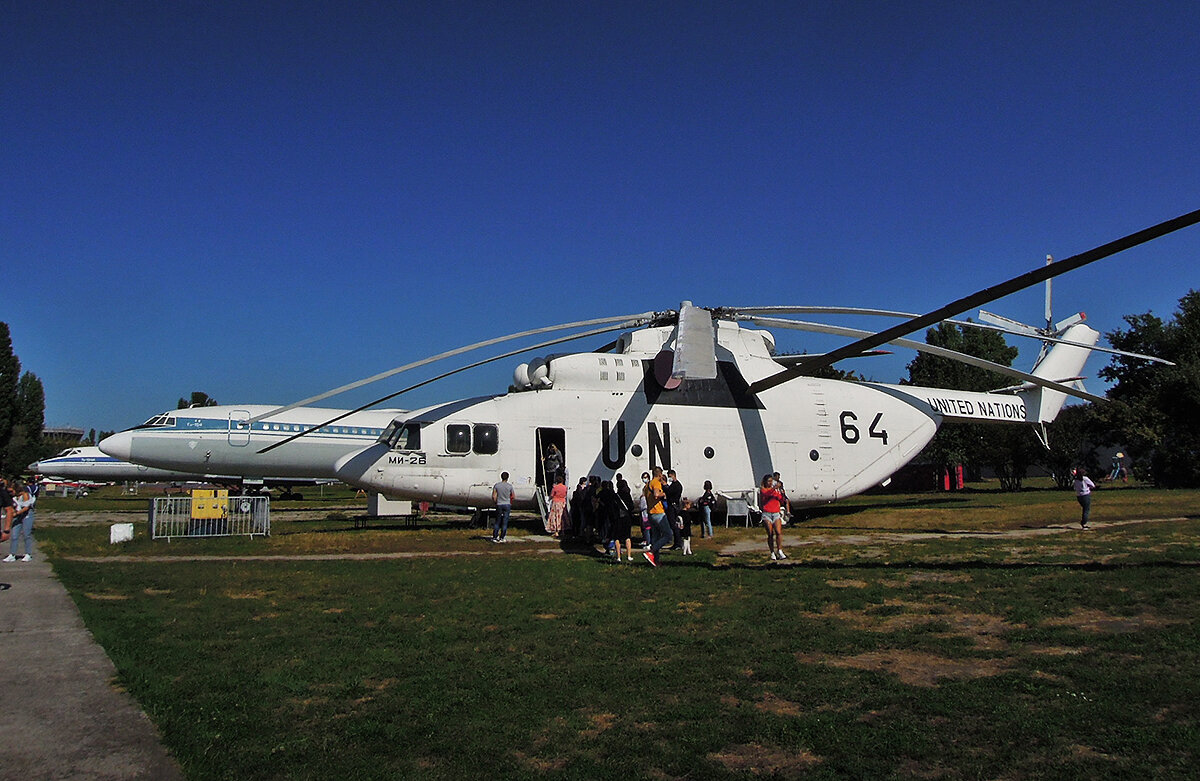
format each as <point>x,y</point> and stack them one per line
<point>119,445</point>
<point>359,468</point>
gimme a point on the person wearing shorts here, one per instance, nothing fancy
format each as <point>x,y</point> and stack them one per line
<point>770,501</point>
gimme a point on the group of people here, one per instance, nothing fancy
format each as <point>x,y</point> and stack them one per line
<point>607,511</point>
<point>17,499</point>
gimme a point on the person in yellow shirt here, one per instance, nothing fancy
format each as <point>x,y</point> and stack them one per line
<point>660,530</point>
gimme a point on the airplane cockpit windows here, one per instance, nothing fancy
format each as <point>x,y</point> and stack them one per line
<point>158,421</point>
<point>458,438</point>
<point>487,438</point>
<point>403,436</point>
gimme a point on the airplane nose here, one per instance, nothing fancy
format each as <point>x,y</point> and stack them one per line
<point>118,445</point>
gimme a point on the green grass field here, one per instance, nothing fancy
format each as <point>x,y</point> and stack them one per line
<point>891,644</point>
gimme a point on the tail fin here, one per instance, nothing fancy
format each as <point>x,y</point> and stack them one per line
<point>1062,363</point>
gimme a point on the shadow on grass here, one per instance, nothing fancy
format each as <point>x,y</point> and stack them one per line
<point>921,503</point>
<point>946,566</point>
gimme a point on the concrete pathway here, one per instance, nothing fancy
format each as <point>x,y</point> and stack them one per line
<point>60,715</point>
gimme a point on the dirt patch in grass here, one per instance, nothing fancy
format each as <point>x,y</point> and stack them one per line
<point>156,592</point>
<point>597,723</point>
<point>1090,620</point>
<point>913,667</point>
<point>540,764</point>
<point>106,597</point>
<point>846,583</point>
<point>1059,650</point>
<point>778,706</point>
<point>926,577</point>
<point>1079,751</point>
<point>759,760</point>
<point>983,629</point>
<point>246,594</point>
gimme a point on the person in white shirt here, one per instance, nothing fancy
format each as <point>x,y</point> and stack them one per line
<point>1083,494</point>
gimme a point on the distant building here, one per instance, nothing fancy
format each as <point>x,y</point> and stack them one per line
<point>62,436</point>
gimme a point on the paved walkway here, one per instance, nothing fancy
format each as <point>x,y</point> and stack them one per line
<point>60,715</point>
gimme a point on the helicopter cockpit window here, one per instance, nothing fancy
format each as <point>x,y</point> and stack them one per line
<point>458,438</point>
<point>405,436</point>
<point>487,438</point>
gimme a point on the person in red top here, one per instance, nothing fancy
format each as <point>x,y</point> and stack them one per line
<point>770,501</point>
<point>558,504</point>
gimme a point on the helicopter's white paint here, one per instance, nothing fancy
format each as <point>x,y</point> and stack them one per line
<point>827,438</point>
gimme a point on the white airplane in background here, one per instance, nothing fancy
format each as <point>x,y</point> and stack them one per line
<point>90,464</point>
<point>223,440</point>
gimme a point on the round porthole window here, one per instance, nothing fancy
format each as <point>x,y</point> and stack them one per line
<point>814,455</point>
<point>636,450</point>
<point>709,452</point>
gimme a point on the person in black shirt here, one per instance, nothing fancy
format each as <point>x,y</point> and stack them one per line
<point>675,508</point>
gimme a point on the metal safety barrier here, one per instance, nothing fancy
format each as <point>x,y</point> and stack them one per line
<point>174,516</point>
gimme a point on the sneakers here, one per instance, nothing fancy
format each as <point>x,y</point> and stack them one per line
<point>650,557</point>
<point>26,557</point>
<point>10,557</point>
<point>781,556</point>
<point>774,556</point>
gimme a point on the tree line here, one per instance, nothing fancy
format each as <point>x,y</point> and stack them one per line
<point>1153,412</point>
<point>22,411</point>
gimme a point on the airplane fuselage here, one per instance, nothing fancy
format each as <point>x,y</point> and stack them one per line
<point>221,440</point>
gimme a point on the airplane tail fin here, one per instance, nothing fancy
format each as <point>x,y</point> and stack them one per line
<point>1062,363</point>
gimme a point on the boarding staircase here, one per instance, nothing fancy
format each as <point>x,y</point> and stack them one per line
<point>543,503</point>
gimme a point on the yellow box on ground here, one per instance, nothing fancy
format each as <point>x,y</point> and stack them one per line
<point>210,503</point>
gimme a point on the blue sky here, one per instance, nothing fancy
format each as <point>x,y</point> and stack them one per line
<point>265,200</point>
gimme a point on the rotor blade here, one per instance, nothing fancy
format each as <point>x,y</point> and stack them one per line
<point>1012,326</point>
<point>695,345</point>
<point>1052,340</point>
<point>1049,317</point>
<point>511,353</point>
<point>628,320</point>
<point>837,330</point>
<point>984,296</point>
<point>810,310</point>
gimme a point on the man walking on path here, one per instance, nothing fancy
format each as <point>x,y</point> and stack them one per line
<point>502,495</point>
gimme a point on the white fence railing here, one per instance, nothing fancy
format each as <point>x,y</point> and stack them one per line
<point>173,516</point>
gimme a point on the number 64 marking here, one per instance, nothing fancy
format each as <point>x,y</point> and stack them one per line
<point>850,433</point>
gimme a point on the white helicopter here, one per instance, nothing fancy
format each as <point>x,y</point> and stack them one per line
<point>692,390</point>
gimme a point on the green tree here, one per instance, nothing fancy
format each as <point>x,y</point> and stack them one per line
<point>199,399</point>
<point>1156,409</point>
<point>10,371</point>
<point>25,445</point>
<point>973,445</point>
<point>1072,436</point>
